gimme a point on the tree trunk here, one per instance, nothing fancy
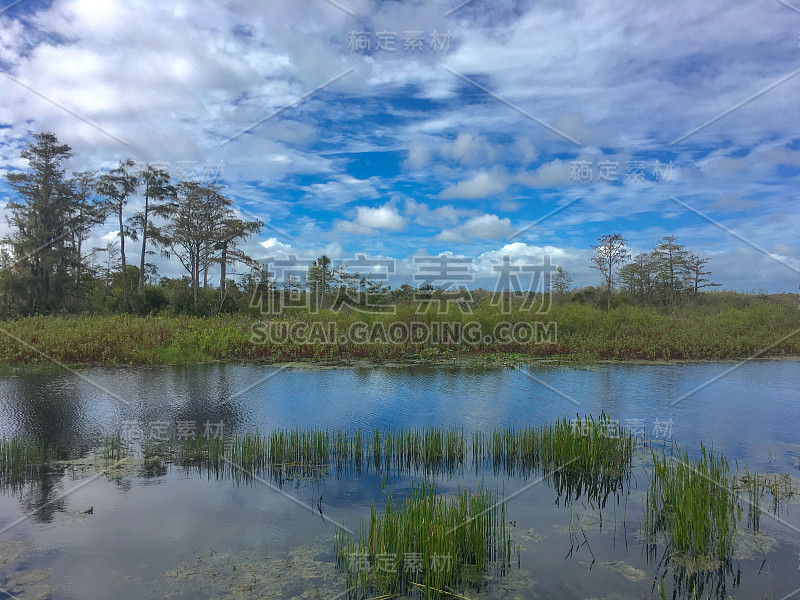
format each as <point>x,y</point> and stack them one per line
<point>79,269</point>
<point>205,268</point>
<point>223,270</point>
<point>122,256</point>
<point>323,285</point>
<point>144,245</point>
<point>196,277</point>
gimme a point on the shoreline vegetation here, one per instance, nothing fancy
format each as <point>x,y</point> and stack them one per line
<point>656,305</point>
<point>574,333</point>
<point>695,505</point>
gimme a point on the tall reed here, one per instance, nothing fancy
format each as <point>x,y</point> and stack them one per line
<point>19,456</point>
<point>588,455</point>
<point>694,503</point>
<point>430,542</point>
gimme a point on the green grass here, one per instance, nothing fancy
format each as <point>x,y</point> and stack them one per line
<point>694,503</point>
<point>428,542</point>
<point>114,448</point>
<point>19,457</point>
<point>202,452</point>
<point>591,450</point>
<point>592,456</point>
<point>630,333</point>
<point>779,488</point>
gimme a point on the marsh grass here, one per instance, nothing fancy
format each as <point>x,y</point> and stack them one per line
<point>778,487</point>
<point>203,452</point>
<point>694,503</point>
<point>599,447</point>
<point>20,457</point>
<point>562,452</point>
<point>591,456</point>
<point>428,542</point>
<point>290,453</point>
<point>719,331</point>
<point>114,448</point>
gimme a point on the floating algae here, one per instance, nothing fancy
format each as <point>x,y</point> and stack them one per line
<point>530,536</point>
<point>513,584</point>
<point>33,584</point>
<point>249,574</point>
<point>627,571</point>
<point>753,544</point>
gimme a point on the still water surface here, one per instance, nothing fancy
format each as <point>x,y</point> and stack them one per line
<point>169,532</point>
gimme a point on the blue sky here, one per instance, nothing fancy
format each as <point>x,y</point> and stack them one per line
<point>461,149</point>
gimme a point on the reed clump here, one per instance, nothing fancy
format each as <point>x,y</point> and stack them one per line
<point>588,455</point>
<point>208,452</point>
<point>306,452</point>
<point>586,444</point>
<point>592,454</point>
<point>20,456</point>
<point>694,503</point>
<point>430,542</point>
<point>114,447</point>
<point>779,487</point>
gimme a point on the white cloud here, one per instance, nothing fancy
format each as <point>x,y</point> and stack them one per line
<point>555,173</point>
<point>418,156</point>
<point>484,227</point>
<point>384,217</point>
<point>274,243</point>
<point>527,151</point>
<point>573,260</point>
<point>481,185</point>
<point>341,190</point>
<point>368,219</point>
<point>471,149</point>
<point>436,217</point>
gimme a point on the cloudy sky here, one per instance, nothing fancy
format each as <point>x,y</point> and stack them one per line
<point>401,129</point>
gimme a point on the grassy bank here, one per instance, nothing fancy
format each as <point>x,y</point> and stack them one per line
<point>566,331</point>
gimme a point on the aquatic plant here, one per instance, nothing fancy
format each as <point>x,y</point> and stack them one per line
<point>114,448</point>
<point>19,456</point>
<point>693,502</point>
<point>588,455</point>
<point>432,542</point>
<point>779,487</point>
<point>592,455</point>
<point>203,451</point>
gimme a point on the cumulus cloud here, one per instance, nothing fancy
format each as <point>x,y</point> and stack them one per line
<point>341,190</point>
<point>481,185</point>
<point>574,261</point>
<point>471,149</point>
<point>434,217</point>
<point>419,154</point>
<point>484,227</point>
<point>555,173</point>
<point>367,219</point>
<point>273,243</point>
<point>175,80</point>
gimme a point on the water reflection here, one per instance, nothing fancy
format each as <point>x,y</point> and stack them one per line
<point>750,415</point>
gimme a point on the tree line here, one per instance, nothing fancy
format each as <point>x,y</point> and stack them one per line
<point>46,267</point>
<point>661,276</point>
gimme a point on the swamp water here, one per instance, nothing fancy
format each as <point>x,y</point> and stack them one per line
<point>126,507</point>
